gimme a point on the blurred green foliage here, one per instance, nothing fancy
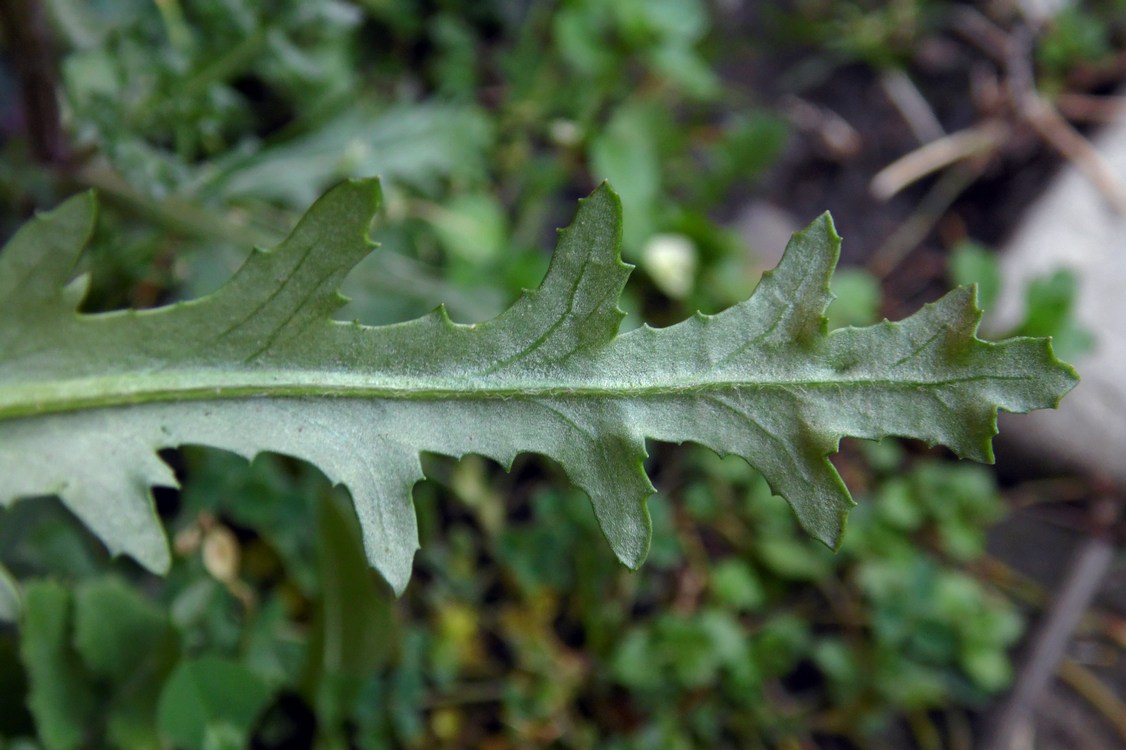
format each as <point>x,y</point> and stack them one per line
<point>880,34</point>
<point>518,627</point>
<point>1049,300</point>
<point>207,127</point>
<point>1082,33</point>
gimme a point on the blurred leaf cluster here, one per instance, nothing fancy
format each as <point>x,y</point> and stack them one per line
<point>1081,33</point>
<point>518,628</point>
<point>886,35</point>
<point>1049,300</point>
<point>207,127</point>
<point>880,34</point>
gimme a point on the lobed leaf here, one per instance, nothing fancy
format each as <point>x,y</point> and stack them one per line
<point>259,365</point>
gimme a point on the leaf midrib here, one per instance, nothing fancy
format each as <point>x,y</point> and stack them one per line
<point>67,396</point>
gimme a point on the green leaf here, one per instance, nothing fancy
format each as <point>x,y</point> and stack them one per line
<point>735,584</point>
<point>1050,306</point>
<point>97,658</point>
<point>971,263</point>
<point>259,365</point>
<point>856,298</point>
<point>351,633</point>
<point>626,153</point>
<point>472,227</point>
<point>62,700</point>
<point>208,699</point>
<point>115,628</point>
<point>411,144</point>
<point>129,644</point>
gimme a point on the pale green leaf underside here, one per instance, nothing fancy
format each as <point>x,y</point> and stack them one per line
<point>86,400</point>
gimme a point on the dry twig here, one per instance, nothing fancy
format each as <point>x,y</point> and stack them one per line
<point>1088,569</point>
<point>1009,104</point>
<point>938,154</point>
<point>1093,690</point>
<point>912,106</point>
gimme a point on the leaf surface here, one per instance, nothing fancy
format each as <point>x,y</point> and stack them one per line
<point>61,699</point>
<point>211,697</point>
<point>259,365</point>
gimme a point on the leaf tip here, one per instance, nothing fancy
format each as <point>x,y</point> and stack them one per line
<point>1066,375</point>
<point>84,205</point>
<point>52,241</point>
<point>396,580</point>
<point>825,223</point>
<point>150,551</point>
<point>604,187</point>
<point>355,200</point>
<point>371,185</point>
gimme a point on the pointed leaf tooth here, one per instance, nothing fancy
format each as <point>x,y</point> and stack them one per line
<point>794,296</point>
<point>36,263</point>
<point>345,439</point>
<point>787,308</point>
<point>1045,378</point>
<point>385,509</point>
<point>772,438</point>
<point>75,291</point>
<point>575,308</point>
<point>619,489</point>
<point>279,292</point>
<point>100,474</point>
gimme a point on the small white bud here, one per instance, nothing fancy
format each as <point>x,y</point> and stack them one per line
<point>670,260</point>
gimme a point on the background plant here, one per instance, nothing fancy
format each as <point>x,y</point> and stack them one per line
<point>210,129</point>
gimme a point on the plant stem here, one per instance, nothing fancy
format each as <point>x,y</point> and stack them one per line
<point>31,50</point>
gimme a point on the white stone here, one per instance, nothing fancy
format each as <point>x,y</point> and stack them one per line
<point>1073,226</point>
